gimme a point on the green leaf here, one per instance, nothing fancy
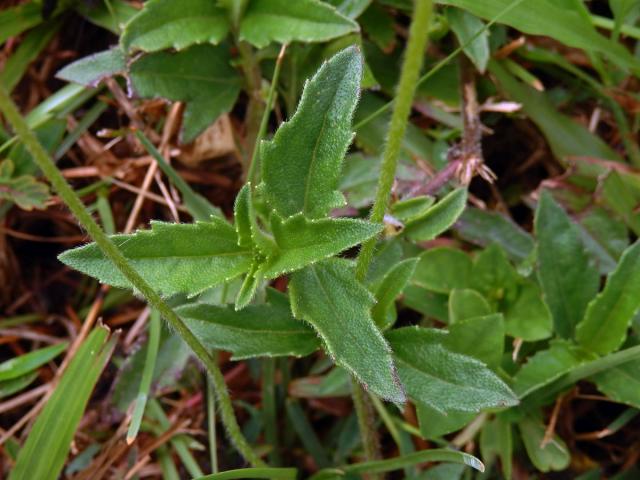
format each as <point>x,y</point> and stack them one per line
<point>163,24</point>
<point>479,337</point>
<point>620,196</point>
<point>265,330</point>
<point>172,257</point>
<point>548,365</point>
<point>242,217</point>
<point>548,18</point>
<point>435,424</point>
<point>350,8</point>
<point>486,227</point>
<point>301,242</point>
<point>9,387</point>
<point>89,71</point>
<point>496,439</point>
<point>567,278</point>
<point>378,24</point>
<point>605,237</point>
<point>609,315</point>
<point>264,472</point>
<point>438,218</point>
<point>329,297</point>
<point>200,76</point>
<point>23,364</point>
<point>442,379</point>
<point>45,451</point>
<point>442,269</point>
<point>621,384</point>
<point>301,165</point>
<point>527,316</point>
<point>465,26</point>
<point>249,287</point>
<point>111,16</point>
<point>428,303</point>
<point>17,19</point>
<point>412,208</point>
<point>282,21</point>
<point>493,275</point>
<point>566,137</point>
<point>23,190</point>
<point>553,456</point>
<point>392,285</point>
<point>465,303</point>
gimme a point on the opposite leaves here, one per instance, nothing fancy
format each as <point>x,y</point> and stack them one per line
<point>301,165</point>
<point>328,296</point>
<point>173,258</point>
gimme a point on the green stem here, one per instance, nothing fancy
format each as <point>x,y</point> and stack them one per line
<point>414,56</point>
<point>256,105</point>
<point>411,66</point>
<point>262,130</point>
<point>269,408</point>
<point>366,422</point>
<point>112,252</point>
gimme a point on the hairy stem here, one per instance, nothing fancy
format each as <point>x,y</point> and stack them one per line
<point>112,252</point>
<point>413,59</point>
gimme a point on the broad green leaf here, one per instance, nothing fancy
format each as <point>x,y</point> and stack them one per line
<point>496,440</point>
<point>493,275</point>
<point>465,26</point>
<point>112,16</point>
<point>25,191</point>
<point>442,269</point>
<point>466,303</point>
<point>350,8</point>
<point>622,198</point>
<point>565,136</point>
<point>568,280</point>
<point>301,242</point>
<point>301,165</point>
<point>553,456</point>
<point>442,379</point>
<point>256,331</point>
<point>328,296</point>
<point>45,451</point>
<point>548,365</point>
<point>412,208</point>
<point>605,237</point>
<point>89,71</point>
<point>438,218</point>
<point>392,285</point>
<point>621,384</point>
<point>282,21</point>
<point>388,253</point>
<point>359,179</point>
<point>428,303</point>
<point>163,24</point>
<point>479,337</point>
<point>434,423</point>
<point>378,25</point>
<point>609,315</point>
<point>486,227</point>
<point>172,257</point>
<point>527,316</point>
<point>200,76</point>
<point>546,17</point>
<point>23,364</point>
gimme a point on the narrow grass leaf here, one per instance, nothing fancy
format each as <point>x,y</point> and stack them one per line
<point>163,24</point>
<point>45,451</point>
<point>17,19</point>
<point>268,473</point>
<point>568,279</point>
<point>15,385</point>
<point>442,379</point>
<point>328,296</point>
<point>609,315</point>
<point>301,165</point>
<point>265,330</point>
<point>282,21</point>
<point>23,364</point>
<point>172,257</point>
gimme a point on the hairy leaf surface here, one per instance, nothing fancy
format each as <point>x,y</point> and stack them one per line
<point>438,218</point>
<point>302,242</point>
<point>301,165</point>
<point>256,331</point>
<point>165,24</point>
<point>609,315</point>
<point>442,379</point>
<point>172,257</point>
<point>392,285</point>
<point>328,296</point>
<point>201,76</point>
<point>568,280</point>
<point>283,21</point>
<point>89,71</point>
